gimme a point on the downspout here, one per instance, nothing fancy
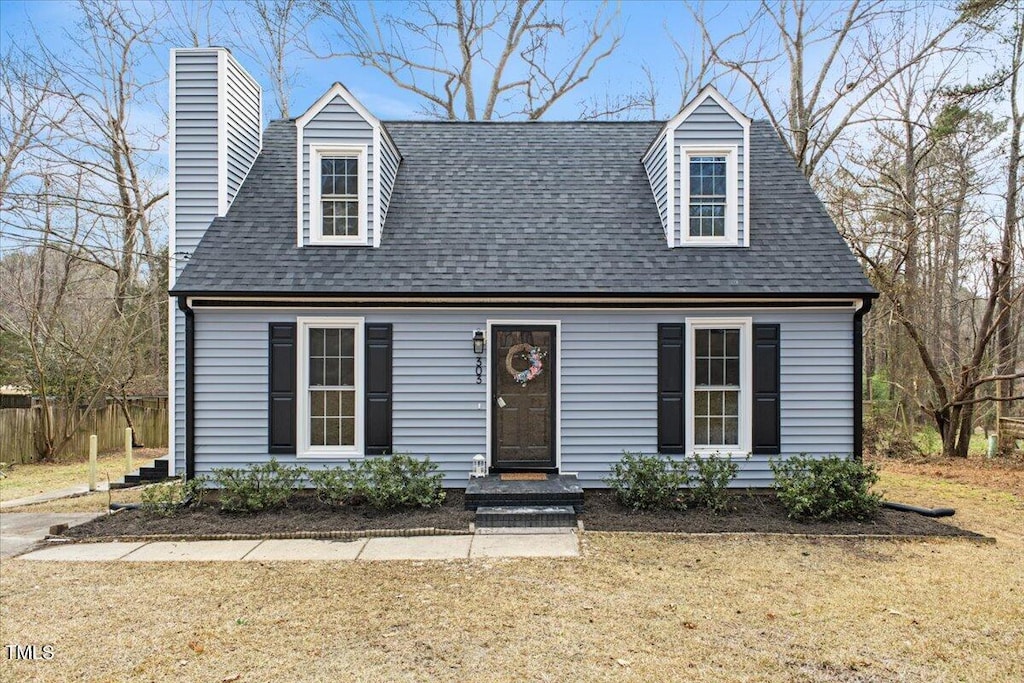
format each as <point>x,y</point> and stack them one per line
<point>190,387</point>
<point>858,377</point>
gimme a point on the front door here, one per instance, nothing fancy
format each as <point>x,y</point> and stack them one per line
<point>523,397</point>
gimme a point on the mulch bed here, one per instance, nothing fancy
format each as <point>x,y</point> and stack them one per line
<point>303,514</point>
<point>752,512</point>
<point>757,513</point>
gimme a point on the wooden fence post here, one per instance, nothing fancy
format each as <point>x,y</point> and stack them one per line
<point>128,450</point>
<point>92,462</point>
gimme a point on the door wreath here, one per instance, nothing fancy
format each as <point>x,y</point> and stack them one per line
<point>533,354</point>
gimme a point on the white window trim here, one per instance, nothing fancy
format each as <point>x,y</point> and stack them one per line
<point>731,154</point>
<point>316,153</point>
<point>744,325</point>
<point>305,450</point>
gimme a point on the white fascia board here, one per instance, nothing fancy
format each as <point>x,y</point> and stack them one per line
<point>378,222</point>
<point>709,91</point>
<point>336,90</point>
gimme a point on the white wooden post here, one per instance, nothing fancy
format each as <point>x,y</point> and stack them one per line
<point>128,450</point>
<point>92,462</point>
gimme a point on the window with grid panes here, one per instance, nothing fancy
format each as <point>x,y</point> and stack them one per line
<point>332,386</point>
<point>716,387</point>
<point>339,196</point>
<point>707,196</point>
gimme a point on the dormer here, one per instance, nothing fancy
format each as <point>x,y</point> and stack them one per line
<point>698,170</point>
<point>346,169</point>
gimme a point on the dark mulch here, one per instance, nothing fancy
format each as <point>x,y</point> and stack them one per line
<point>304,513</point>
<point>754,512</point>
<point>751,513</point>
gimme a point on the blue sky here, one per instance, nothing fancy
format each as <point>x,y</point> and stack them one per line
<point>645,25</point>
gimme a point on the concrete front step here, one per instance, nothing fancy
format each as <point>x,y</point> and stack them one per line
<point>512,516</point>
<point>554,490</point>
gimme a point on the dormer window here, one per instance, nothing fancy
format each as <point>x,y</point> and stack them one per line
<point>338,189</point>
<point>339,196</point>
<point>707,196</point>
<point>709,191</point>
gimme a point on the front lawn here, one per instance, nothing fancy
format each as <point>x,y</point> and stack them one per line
<point>635,607</point>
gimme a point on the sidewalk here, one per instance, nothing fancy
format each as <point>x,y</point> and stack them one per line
<point>547,543</point>
<point>47,496</point>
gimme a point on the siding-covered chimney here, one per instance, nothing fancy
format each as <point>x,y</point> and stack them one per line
<point>215,115</point>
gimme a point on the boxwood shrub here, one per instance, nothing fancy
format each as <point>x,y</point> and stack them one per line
<point>826,489</point>
<point>260,487</point>
<point>648,482</point>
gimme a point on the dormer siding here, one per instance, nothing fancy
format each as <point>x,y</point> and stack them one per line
<point>657,173</point>
<point>709,125</point>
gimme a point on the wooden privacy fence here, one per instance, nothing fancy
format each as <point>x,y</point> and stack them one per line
<point>19,428</point>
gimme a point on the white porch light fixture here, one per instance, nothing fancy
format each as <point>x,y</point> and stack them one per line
<point>479,465</point>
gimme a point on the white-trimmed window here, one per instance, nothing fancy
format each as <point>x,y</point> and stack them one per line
<point>330,404</point>
<point>337,196</point>
<point>719,379</point>
<point>709,191</point>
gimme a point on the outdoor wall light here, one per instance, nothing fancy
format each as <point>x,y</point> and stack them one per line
<point>478,349</point>
<point>479,465</point>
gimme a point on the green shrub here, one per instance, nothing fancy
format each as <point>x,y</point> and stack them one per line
<point>337,486</point>
<point>399,481</point>
<point>256,488</point>
<point>710,483</point>
<point>647,482</point>
<point>167,497</point>
<point>826,490</point>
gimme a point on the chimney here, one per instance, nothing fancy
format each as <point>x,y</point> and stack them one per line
<point>215,134</point>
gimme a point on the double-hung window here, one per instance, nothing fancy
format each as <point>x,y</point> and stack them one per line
<point>337,194</point>
<point>719,380</point>
<point>710,190</point>
<point>331,386</point>
<point>707,196</point>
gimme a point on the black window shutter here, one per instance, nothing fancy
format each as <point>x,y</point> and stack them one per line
<point>766,405</point>
<point>671,405</point>
<point>378,389</point>
<point>281,385</point>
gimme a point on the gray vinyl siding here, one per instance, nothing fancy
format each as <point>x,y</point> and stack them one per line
<point>390,158</point>
<point>196,195</point>
<point>608,385</point>
<point>657,173</point>
<point>198,82</point>
<point>709,124</point>
<point>244,124</point>
<point>339,124</point>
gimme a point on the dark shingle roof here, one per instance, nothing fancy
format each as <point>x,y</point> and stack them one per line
<point>524,209</point>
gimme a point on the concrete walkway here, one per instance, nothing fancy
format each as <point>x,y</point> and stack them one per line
<point>549,543</point>
<point>47,496</point>
<point>19,531</point>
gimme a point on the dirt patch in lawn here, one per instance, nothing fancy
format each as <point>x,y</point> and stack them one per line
<point>1000,474</point>
<point>304,513</point>
<point>751,512</point>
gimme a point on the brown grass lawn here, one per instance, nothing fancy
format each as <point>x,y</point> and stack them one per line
<point>30,479</point>
<point>634,607</point>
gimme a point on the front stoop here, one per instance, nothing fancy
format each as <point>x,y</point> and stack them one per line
<point>551,502</point>
<point>557,489</point>
<point>519,516</point>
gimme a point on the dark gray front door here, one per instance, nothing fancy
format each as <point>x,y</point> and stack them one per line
<point>523,397</point>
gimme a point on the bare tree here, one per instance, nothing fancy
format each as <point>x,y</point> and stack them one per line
<point>102,87</point>
<point>442,52</point>
<point>773,51</point>
<point>271,33</point>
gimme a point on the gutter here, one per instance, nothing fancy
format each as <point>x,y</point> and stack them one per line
<point>858,377</point>
<point>190,387</point>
